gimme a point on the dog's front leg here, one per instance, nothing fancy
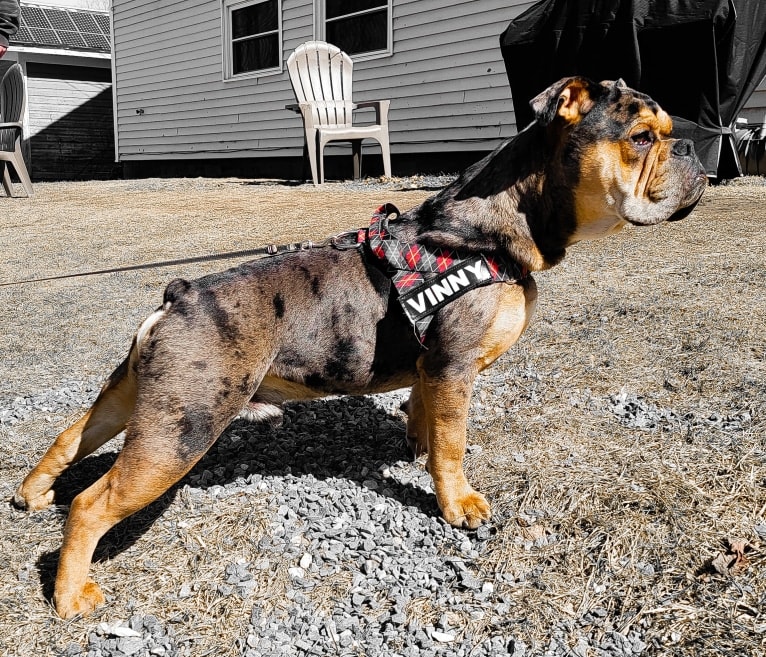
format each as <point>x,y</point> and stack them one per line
<point>445,402</point>
<point>417,422</point>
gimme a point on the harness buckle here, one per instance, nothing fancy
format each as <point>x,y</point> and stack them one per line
<point>352,240</point>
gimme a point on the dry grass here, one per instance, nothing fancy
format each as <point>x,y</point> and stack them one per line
<point>674,316</point>
<point>595,515</point>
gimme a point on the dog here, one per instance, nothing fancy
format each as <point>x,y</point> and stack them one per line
<point>597,157</point>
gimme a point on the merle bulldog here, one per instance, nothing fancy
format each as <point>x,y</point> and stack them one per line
<point>425,299</point>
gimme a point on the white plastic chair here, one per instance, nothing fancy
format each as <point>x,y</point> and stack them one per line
<point>321,77</point>
<point>13,102</point>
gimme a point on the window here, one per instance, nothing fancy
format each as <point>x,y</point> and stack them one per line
<point>253,37</point>
<point>361,28</point>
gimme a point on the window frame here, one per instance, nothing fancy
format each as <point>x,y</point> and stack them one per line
<point>227,8</point>
<point>320,23</point>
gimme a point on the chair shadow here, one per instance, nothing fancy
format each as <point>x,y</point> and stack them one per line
<point>346,437</point>
<point>421,188</point>
<point>271,182</point>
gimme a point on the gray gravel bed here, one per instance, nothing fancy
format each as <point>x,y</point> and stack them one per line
<point>345,499</point>
<point>342,500</point>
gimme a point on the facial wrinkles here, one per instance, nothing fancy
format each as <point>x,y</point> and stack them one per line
<point>648,171</point>
<point>657,190</point>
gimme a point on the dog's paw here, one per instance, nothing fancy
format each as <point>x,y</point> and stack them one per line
<point>69,606</point>
<point>32,502</point>
<point>260,412</point>
<point>467,511</point>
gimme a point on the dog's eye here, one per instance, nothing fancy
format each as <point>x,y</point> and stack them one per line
<point>644,138</point>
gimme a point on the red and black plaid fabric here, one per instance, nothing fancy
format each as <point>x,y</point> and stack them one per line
<point>412,264</point>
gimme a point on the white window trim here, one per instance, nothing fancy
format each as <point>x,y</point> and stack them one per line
<point>319,31</point>
<point>227,6</point>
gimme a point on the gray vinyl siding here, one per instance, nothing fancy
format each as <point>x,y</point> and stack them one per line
<point>446,80</point>
<point>755,108</point>
<point>70,122</point>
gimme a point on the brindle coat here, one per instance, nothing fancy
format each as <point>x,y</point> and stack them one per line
<point>311,323</point>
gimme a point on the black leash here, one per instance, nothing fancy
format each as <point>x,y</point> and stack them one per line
<point>271,250</point>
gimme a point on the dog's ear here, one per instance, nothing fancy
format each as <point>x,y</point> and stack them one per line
<point>569,98</point>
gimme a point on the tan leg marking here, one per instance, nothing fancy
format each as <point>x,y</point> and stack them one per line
<point>417,424</point>
<point>104,420</point>
<point>135,480</point>
<point>446,407</point>
<point>514,310</point>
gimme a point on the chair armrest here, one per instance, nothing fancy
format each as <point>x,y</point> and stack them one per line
<point>381,109</point>
<point>306,110</point>
<point>11,124</point>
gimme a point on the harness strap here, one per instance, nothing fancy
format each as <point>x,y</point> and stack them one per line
<point>427,278</point>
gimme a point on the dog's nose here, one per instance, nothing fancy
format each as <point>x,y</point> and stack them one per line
<point>683,148</point>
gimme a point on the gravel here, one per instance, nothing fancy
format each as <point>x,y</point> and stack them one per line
<point>337,518</point>
<point>346,499</point>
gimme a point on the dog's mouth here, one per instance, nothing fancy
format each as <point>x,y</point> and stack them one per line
<point>679,214</point>
<point>690,202</point>
<point>697,189</point>
<point>683,212</point>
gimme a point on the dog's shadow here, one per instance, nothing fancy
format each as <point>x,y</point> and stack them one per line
<point>348,438</point>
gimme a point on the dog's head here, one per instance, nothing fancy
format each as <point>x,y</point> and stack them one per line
<point>627,168</point>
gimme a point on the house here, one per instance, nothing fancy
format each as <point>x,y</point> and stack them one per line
<point>201,85</point>
<point>754,111</point>
<point>64,49</point>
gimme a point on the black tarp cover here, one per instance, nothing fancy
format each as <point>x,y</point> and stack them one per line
<point>701,60</point>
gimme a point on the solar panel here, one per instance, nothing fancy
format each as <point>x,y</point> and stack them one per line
<point>103,23</point>
<point>60,19</point>
<point>63,28</point>
<point>45,36</point>
<point>34,17</point>
<point>86,22</point>
<point>22,36</point>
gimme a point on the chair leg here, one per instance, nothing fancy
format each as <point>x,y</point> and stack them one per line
<point>311,145</point>
<point>386,152</point>
<point>356,149</point>
<point>21,171</point>
<point>320,155</point>
<point>7,184</point>
<point>316,174</point>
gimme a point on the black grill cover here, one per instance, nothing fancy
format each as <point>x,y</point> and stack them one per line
<point>700,59</point>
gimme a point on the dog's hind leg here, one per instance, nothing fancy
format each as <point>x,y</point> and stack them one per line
<point>162,443</point>
<point>104,420</point>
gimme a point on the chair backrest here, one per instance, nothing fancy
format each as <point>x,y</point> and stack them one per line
<point>12,97</point>
<point>321,74</point>
<point>12,104</point>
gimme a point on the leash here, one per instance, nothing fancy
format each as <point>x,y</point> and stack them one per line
<point>335,241</point>
<point>425,278</point>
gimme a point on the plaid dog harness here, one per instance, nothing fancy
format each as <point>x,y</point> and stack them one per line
<point>427,279</point>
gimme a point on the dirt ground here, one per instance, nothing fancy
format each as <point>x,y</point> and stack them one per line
<point>629,422</point>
